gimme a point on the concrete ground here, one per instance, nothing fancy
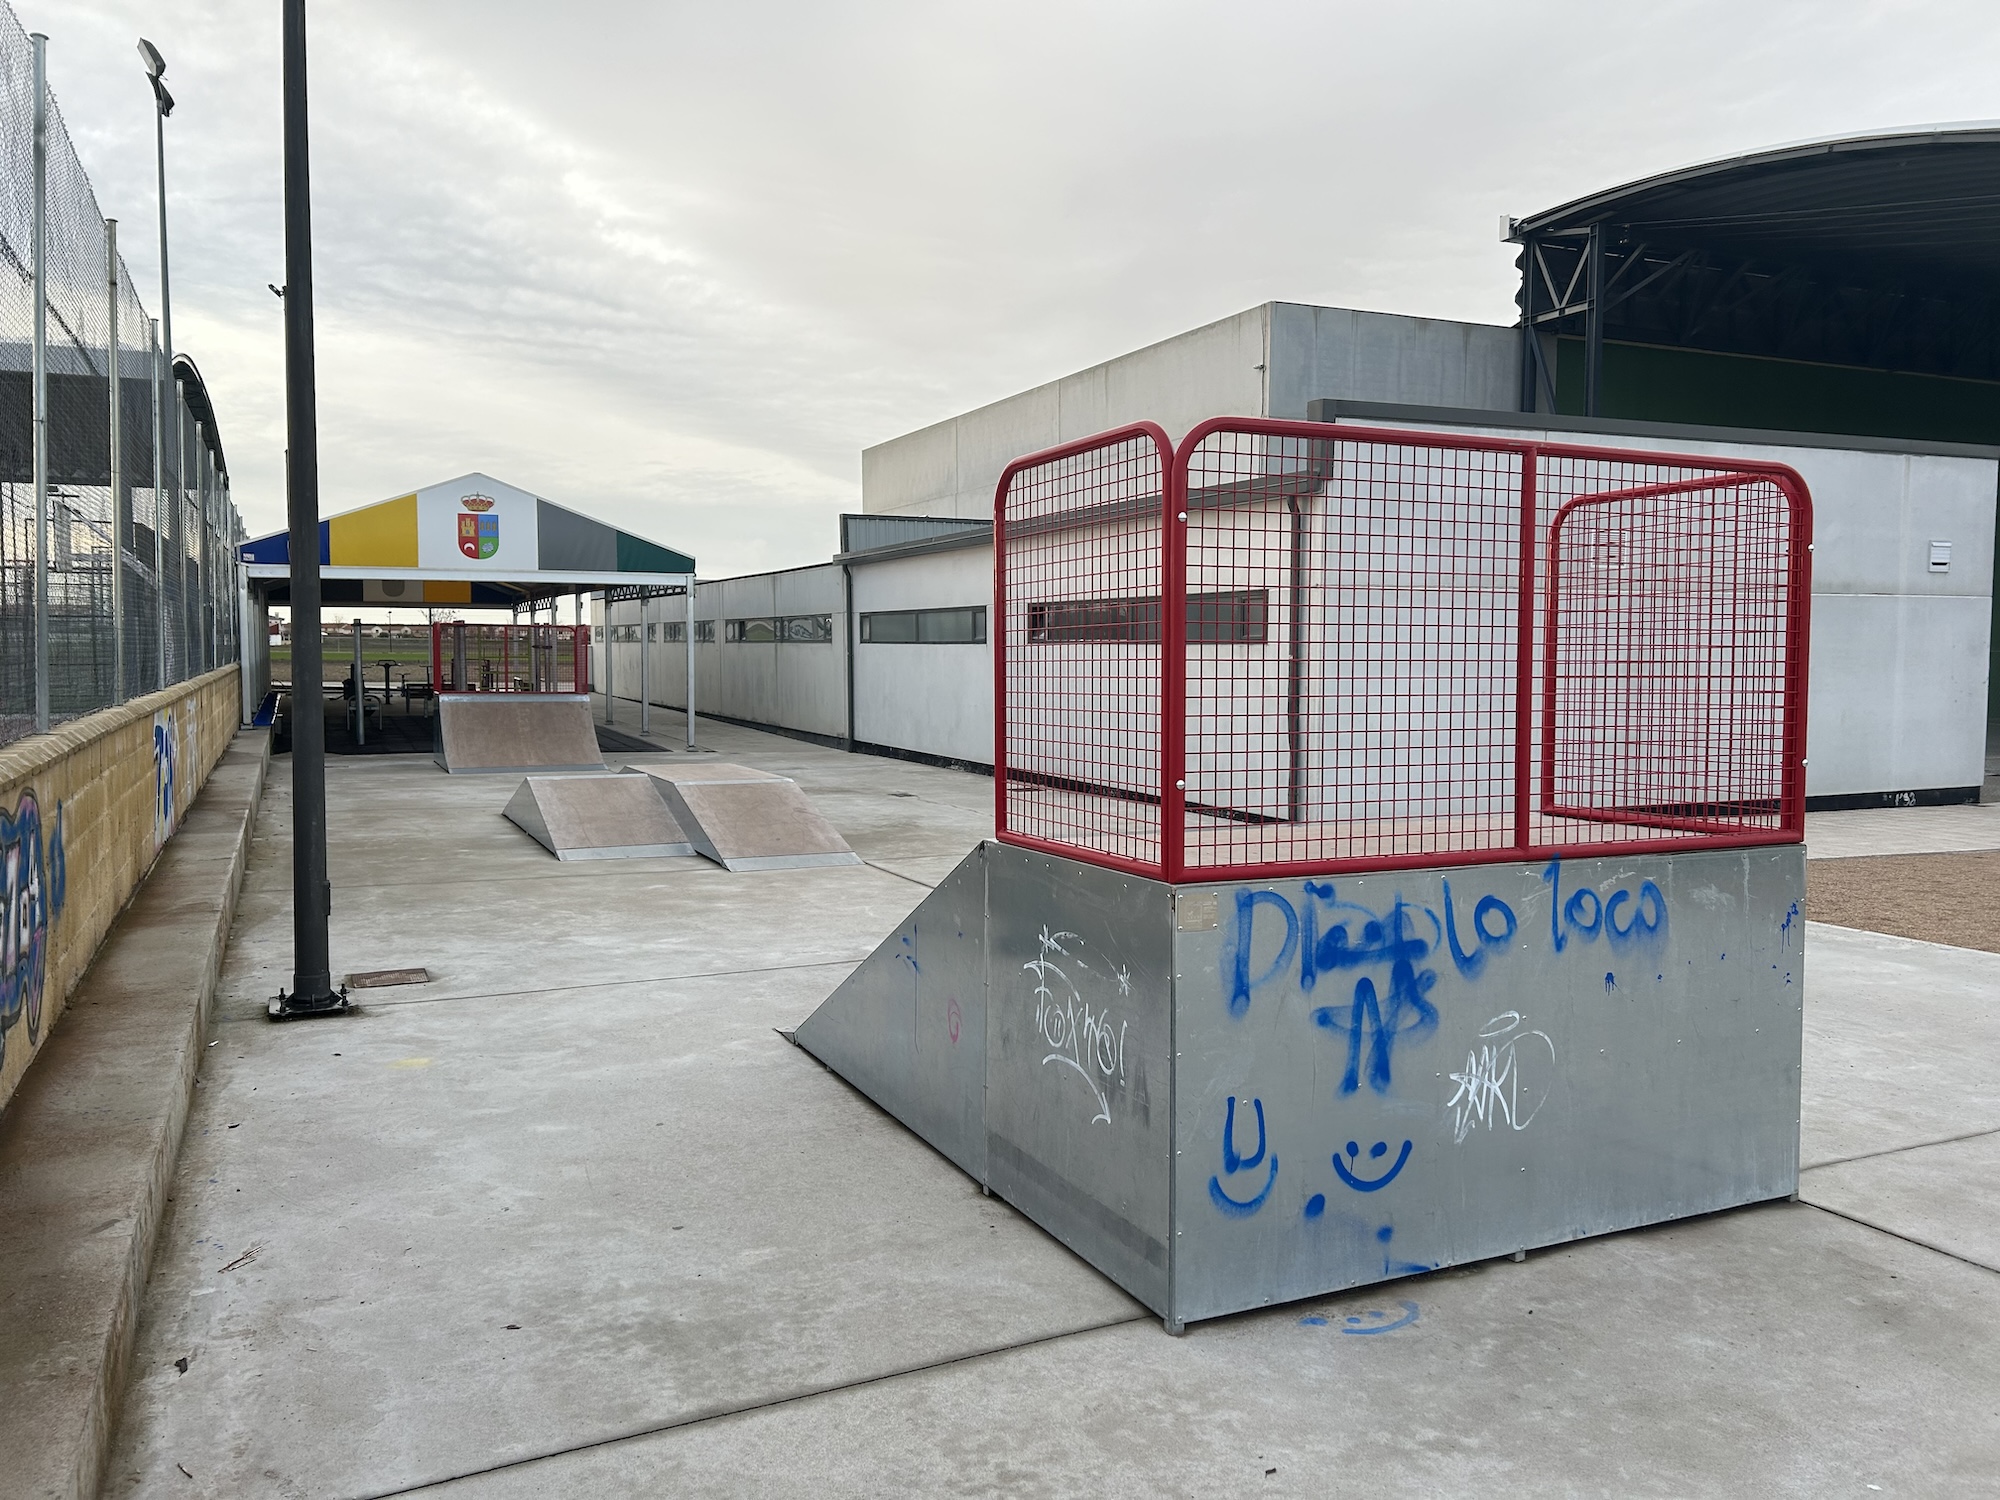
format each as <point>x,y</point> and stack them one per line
<point>573,1219</point>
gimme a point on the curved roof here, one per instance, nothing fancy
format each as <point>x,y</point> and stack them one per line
<point>1888,205</point>
<point>1878,251</point>
<point>194,390</point>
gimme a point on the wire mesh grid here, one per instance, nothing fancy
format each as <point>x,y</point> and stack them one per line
<point>1664,695</point>
<point>106,543</point>
<point>1374,712</point>
<point>476,658</point>
<point>1078,566</point>
<point>1377,649</point>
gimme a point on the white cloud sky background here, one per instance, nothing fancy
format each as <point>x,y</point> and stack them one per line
<point>676,265</point>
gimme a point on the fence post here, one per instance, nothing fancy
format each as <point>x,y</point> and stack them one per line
<point>1173,660</point>
<point>1524,655</point>
<point>120,501</point>
<point>159,508</point>
<point>41,377</point>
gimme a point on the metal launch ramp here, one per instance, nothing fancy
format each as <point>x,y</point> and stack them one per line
<point>745,819</point>
<point>597,817</point>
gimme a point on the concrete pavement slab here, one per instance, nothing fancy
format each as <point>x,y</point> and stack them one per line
<point>1943,1196</point>
<point>1774,1350</point>
<point>1900,1042</point>
<point>407,1241</point>
<point>1903,830</point>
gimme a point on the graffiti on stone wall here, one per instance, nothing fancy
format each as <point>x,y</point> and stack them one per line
<point>166,773</point>
<point>35,872</point>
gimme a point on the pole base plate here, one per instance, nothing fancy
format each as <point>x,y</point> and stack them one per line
<point>283,1007</point>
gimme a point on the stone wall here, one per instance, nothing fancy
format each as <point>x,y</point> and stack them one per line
<point>84,811</point>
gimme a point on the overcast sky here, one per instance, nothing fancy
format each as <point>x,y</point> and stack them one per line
<point>676,265</point>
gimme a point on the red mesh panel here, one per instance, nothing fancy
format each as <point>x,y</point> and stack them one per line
<point>1078,565</point>
<point>1352,649</point>
<point>1663,678</point>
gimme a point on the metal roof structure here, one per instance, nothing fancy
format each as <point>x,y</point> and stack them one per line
<point>1878,251</point>
<point>473,541</point>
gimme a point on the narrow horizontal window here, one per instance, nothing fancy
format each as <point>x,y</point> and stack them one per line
<point>930,627</point>
<point>792,629</point>
<point>1241,617</point>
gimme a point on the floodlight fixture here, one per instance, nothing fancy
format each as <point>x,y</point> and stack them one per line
<point>156,70</point>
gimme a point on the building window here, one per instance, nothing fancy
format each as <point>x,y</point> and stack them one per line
<point>791,629</point>
<point>673,630</point>
<point>1238,618</point>
<point>597,634</point>
<point>926,627</point>
<point>704,632</point>
<point>652,631</point>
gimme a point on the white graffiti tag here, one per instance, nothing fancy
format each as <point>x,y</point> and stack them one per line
<point>1083,1038</point>
<point>1496,1085</point>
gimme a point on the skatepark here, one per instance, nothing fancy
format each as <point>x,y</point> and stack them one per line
<point>1263,925</point>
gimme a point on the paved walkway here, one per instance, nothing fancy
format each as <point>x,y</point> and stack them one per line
<point>573,1219</point>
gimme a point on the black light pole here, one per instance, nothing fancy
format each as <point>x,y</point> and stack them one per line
<point>313,993</point>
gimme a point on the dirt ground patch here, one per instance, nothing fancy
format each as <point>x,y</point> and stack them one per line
<point>1939,898</point>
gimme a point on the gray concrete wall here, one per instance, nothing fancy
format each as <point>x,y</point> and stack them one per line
<point>1268,361</point>
<point>950,469</point>
<point>1341,354</point>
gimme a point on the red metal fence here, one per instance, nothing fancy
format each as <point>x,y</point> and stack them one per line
<point>1294,648</point>
<point>510,658</point>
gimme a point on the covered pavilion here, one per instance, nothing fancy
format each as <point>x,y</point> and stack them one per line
<point>468,543</point>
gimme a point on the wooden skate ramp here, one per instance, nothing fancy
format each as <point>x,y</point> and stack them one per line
<point>749,820</point>
<point>597,817</point>
<point>493,733</point>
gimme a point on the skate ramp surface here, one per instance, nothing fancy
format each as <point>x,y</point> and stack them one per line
<point>597,817</point>
<point>745,819</point>
<point>494,733</point>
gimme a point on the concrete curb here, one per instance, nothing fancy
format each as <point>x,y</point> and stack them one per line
<point>89,1142</point>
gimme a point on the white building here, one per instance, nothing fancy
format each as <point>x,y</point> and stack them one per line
<point>885,646</point>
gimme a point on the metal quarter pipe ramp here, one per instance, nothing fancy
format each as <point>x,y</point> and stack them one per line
<point>495,733</point>
<point>1230,1095</point>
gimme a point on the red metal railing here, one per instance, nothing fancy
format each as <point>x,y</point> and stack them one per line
<point>1298,648</point>
<point>475,658</point>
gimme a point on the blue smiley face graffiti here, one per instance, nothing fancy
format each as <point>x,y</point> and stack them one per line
<point>32,889</point>
<point>1352,1173</point>
<point>1233,1163</point>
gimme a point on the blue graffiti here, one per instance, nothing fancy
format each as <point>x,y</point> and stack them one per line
<point>166,771</point>
<point>1377,1323</point>
<point>1785,927</point>
<point>1469,964</point>
<point>1393,1267</point>
<point>1376,1152</point>
<point>33,886</point>
<point>1241,984</point>
<point>1233,1162</point>
<point>1315,1205</point>
<point>1587,915</point>
<point>1409,1014</point>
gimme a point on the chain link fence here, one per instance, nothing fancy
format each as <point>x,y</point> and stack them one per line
<point>134,538</point>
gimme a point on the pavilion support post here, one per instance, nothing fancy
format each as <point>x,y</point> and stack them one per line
<point>690,656</point>
<point>645,671</point>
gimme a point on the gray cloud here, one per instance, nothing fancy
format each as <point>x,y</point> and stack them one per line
<point>677,264</point>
